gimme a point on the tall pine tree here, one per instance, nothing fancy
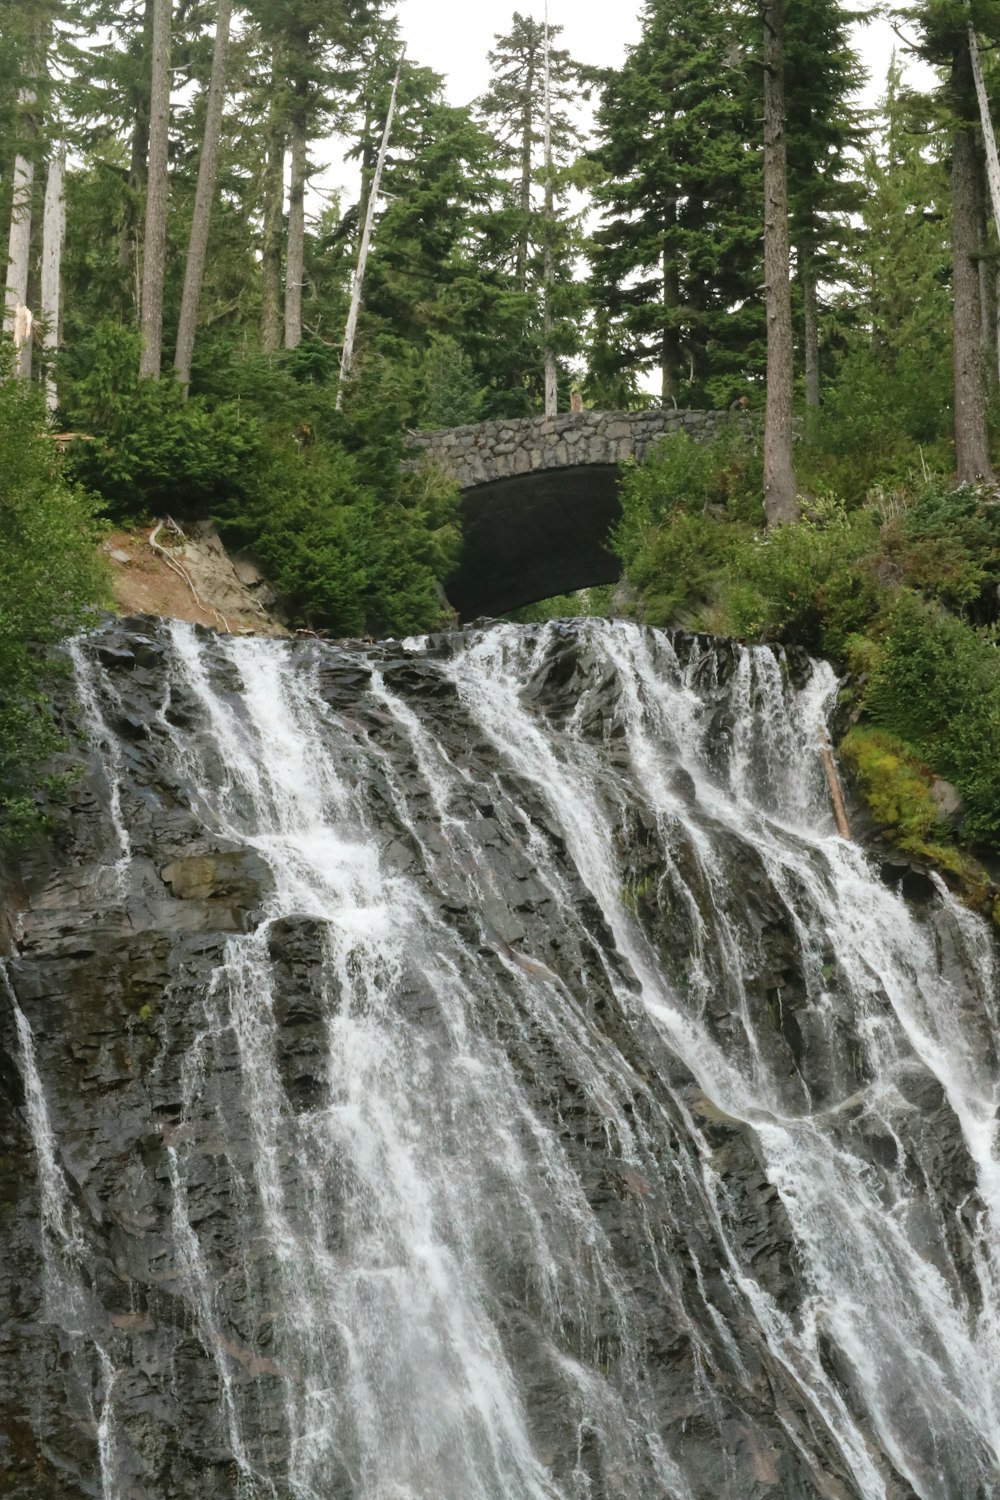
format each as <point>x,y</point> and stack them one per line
<point>826,137</point>
<point>676,258</point>
<point>535,239</point>
<point>944,26</point>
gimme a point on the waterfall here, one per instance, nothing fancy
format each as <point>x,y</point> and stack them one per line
<point>518,1089</point>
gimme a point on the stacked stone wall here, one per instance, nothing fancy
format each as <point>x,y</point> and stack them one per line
<point>483,452</point>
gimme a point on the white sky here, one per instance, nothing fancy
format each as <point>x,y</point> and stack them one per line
<point>454,36</point>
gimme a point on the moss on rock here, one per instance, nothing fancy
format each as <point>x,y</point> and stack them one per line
<point>898,788</point>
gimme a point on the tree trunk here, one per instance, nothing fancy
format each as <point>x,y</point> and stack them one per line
<point>203,198</point>
<point>19,251</point>
<point>982,268</point>
<point>523,237</point>
<point>274,197</point>
<point>989,289</point>
<point>347,353</point>
<point>551,369</point>
<point>810,329</point>
<point>670,357</point>
<point>972,460</point>
<point>986,121</point>
<point>129,260</point>
<point>53,238</point>
<point>295,255</point>
<point>780,487</point>
<point>549,270</point>
<point>16,317</point>
<point>987,285</point>
<point>154,252</point>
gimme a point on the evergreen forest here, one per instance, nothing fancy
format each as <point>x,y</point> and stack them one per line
<point>716,223</point>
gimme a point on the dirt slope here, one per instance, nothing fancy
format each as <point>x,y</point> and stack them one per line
<point>188,575</point>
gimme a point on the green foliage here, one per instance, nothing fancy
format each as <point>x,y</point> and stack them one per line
<point>892,394</point>
<point>152,450</point>
<point>812,582</point>
<point>682,474</point>
<point>947,543</point>
<point>895,784</point>
<point>879,426</point>
<point>676,257</point>
<point>585,602</point>
<point>672,548</point>
<point>49,575</point>
<point>352,542</point>
<point>936,684</point>
<point>449,393</point>
<point>678,567</point>
<point>346,560</point>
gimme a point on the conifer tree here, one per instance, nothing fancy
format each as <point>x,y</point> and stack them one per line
<point>535,238</point>
<point>437,186</point>
<point>826,137</point>
<point>676,259</point>
<point>945,41</point>
<point>897,358</point>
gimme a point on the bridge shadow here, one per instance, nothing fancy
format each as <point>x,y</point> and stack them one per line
<point>533,535</point>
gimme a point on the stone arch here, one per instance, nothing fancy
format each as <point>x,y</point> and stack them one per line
<point>539,497</point>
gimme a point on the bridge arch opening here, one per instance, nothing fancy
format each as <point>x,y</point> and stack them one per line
<point>531,536</point>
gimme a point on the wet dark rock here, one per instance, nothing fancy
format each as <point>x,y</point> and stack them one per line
<point>239,877</point>
<point>119,975</point>
<point>916,882</point>
<point>682,783</point>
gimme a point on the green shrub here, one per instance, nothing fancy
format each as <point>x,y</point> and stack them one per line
<point>49,575</point>
<point>351,540</point>
<point>949,542</point>
<point>680,474</point>
<point>152,450</point>
<point>882,420</point>
<point>672,546</point>
<point>344,559</point>
<point>679,567</point>
<point>936,684</point>
<point>811,582</point>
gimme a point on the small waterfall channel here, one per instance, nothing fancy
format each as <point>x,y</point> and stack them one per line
<point>475,1069</point>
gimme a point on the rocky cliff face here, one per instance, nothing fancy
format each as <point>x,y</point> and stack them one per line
<point>474,1070</point>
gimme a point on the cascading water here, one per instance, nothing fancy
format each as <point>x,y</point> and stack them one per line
<point>499,1082</point>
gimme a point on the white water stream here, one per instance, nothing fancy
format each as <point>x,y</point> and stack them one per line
<point>420,1250</point>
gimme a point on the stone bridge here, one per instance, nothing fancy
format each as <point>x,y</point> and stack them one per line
<point>539,496</point>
